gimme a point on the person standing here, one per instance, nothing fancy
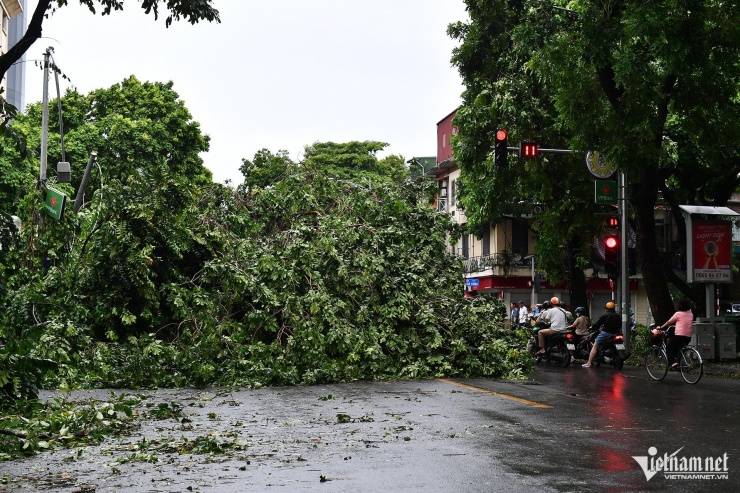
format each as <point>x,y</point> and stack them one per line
<point>610,324</point>
<point>514,316</point>
<point>523,314</point>
<point>684,319</point>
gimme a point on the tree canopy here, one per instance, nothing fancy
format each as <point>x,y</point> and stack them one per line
<point>652,86</point>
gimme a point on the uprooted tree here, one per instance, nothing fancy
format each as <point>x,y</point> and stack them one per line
<point>332,268</point>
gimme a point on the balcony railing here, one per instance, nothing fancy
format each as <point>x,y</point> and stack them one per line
<point>504,262</point>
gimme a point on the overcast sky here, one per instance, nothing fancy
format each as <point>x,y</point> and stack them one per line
<point>277,74</point>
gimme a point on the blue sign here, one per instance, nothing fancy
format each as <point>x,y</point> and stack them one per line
<point>474,282</point>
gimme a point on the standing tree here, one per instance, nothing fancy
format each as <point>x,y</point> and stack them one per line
<point>653,86</point>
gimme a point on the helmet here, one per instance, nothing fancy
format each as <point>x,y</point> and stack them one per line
<point>610,305</point>
<point>555,301</point>
<point>546,304</point>
<point>580,310</point>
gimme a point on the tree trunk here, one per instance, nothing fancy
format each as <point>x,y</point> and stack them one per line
<point>577,281</point>
<point>644,197</point>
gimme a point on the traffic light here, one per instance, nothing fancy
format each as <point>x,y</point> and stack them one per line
<point>528,150</point>
<point>611,248</point>
<point>537,282</point>
<point>501,148</point>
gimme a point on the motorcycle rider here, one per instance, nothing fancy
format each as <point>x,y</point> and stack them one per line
<point>610,324</point>
<point>581,325</point>
<point>556,317</point>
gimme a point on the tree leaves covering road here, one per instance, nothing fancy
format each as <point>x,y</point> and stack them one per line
<point>335,268</point>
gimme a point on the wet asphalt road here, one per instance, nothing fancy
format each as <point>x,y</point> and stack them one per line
<point>563,430</point>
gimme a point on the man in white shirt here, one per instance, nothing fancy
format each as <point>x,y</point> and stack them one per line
<point>557,318</point>
<point>523,314</point>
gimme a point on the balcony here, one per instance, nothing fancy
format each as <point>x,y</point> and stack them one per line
<point>499,264</point>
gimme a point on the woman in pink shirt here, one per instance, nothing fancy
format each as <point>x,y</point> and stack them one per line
<point>683,319</point>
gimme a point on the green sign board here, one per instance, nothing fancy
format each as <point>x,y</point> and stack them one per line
<point>55,202</point>
<point>605,191</point>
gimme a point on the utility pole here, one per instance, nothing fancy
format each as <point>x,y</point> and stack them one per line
<point>45,117</point>
<point>624,278</point>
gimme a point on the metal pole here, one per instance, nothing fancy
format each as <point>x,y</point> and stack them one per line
<point>533,299</point>
<point>624,278</point>
<point>45,117</point>
<point>83,185</point>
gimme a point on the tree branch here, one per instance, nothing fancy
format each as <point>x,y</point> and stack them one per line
<point>33,33</point>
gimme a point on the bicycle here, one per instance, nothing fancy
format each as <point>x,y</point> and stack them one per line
<point>690,363</point>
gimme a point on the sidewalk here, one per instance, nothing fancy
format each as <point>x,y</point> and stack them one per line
<point>723,369</point>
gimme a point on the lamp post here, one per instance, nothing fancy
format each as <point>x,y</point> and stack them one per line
<point>533,297</point>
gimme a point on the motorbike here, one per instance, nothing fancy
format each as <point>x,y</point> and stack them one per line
<point>555,350</point>
<point>579,348</point>
<point>612,353</point>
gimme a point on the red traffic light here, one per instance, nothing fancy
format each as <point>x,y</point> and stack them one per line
<point>501,134</point>
<point>611,242</point>
<point>528,150</point>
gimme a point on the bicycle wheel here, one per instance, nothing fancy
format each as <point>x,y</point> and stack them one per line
<point>656,363</point>
<point>692,367</point>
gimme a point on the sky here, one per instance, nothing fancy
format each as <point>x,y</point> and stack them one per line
<point>278,74</point>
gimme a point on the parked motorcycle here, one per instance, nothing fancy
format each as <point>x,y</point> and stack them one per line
<point>556,350</point>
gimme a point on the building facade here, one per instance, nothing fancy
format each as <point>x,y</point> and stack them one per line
<point>11,9</point>
<point>16,77</point>
<point>499,260</point>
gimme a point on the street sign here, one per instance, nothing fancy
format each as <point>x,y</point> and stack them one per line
<point>598,166</point>
<point>474,282</point>
<point>605,191</point>
<point>55,202</point>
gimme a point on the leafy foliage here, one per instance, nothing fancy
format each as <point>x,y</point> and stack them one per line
<point>330,269</point>
<point>651,85</point>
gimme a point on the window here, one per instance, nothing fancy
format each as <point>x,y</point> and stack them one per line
<point>520,237</point>
<point>444,141</point>
<point>465,251</point>
<point>485,236</point>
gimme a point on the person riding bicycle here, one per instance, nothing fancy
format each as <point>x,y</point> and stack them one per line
<point>683,319</point>
<point>610,324</point>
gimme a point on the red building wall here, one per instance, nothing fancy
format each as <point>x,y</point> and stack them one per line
<point>445,131</point>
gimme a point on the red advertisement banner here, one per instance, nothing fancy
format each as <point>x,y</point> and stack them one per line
<point>712,260</point>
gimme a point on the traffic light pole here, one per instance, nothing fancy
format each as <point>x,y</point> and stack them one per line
<point>623,296</point>
<point>624,278</point>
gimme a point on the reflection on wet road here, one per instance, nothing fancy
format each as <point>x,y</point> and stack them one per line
<point>563,430</point>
